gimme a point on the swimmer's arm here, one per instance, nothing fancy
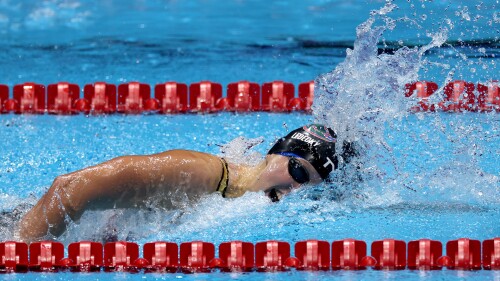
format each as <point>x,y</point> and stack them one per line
<point>126,181</point>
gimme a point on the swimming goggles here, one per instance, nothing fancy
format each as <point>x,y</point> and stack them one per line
<point>297,171</point>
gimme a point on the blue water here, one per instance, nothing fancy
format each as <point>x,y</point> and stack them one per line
<point>189,41</point>
<point>424,175</point>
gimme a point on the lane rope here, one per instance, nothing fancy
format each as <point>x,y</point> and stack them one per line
<point>199,256</point>
<point>208,97</point>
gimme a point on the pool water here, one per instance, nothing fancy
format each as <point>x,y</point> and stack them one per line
<point>425,175</point>
<point>442,207</point>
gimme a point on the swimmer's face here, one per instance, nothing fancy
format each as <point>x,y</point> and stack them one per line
<point>283,174</point>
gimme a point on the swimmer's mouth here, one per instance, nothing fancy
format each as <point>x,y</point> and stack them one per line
<point>273,195</point>
<point>276,192</point>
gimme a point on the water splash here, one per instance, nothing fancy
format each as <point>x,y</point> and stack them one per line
<point>354,97</point>
<point>240,150</point>
<point>363,100</point>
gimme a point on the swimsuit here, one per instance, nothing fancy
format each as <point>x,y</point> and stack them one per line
<point>224,179</point>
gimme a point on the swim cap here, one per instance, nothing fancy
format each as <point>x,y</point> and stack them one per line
<point>315,143</point>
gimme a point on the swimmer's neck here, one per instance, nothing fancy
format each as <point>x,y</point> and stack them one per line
<point>243,178</point>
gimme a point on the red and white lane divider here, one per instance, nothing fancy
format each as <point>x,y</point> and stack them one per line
<point>207,96</point>
<point>198,256</point>
<point>458,96</point>
<point>169,97</point>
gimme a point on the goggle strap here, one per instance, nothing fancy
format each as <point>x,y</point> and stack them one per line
<point>290,154</point>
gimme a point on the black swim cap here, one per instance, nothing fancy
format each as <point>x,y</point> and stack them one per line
<point>315,143</point>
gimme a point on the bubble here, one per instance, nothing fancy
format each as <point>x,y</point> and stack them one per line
<point>496,17</point>
<point>463,14</point>
<point>450,24</point>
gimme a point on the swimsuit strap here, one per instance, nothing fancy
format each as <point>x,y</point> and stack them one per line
<point>224,178</point>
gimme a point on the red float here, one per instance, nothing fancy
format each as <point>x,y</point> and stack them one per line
<point>464,253</point>
<point>29,98</point>
<point>424,254</point>
<point>161,256</point>
<point>195,256</point>
<point>204,95</point>
<point>172,97</point>
<point>459,96</point>
<point>488,97</point>
<point>13,257</point>
<point>422,90</point>
<point>85,256</point>
<point>4,96</point>
<point>120,256</point>
<point>99,98</point>
<point>45,256</point>
<point>140,263</point>
<point>348,254</point>
<point>444,261</point>
<point>62,97</point>
<point>271,255</point>
<point>243,96</point>
<point>389,253</point>
<point>132,97</point>
<point>277,95</point>
<point>306,97</point>
<point>296,104</point>
<point>236,256</point>
<point>491,253</point>
<point>313,255</point>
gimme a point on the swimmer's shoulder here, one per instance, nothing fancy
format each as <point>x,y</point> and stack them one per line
<point>187,154</point>
<point>210,170</point>
<point>193,158</point>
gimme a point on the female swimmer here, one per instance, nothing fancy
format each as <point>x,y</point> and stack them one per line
<point>306,155</point>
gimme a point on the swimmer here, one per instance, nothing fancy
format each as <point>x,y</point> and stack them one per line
<point>305,156</point>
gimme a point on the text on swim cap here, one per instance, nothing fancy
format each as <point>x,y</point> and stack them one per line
<point>329,162</point>
<point>304,138</point>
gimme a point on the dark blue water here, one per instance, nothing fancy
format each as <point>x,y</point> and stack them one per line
<point>227,41</point>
